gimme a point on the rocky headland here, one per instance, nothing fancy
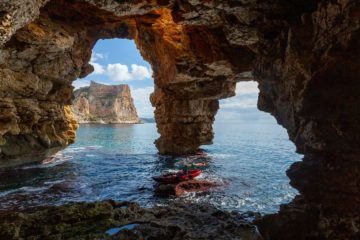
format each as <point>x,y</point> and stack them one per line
<point>101,103</point>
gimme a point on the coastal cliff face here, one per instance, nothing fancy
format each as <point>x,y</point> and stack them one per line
<point>100,103</point>
<point>303,54</point>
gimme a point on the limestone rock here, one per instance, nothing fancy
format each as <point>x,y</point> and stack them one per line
<point>92,220</point>
<point>16,14</point>
<point>181,188</point>
<point>73,124</point>
<point>100,103</point>
<point>304,55</point>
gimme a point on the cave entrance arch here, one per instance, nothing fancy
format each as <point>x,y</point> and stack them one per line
<point>253,152</point>
<point>307,71</point>
<point>189,77</point>
<point>119,88</point>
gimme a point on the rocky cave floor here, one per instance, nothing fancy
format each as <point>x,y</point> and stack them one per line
<point>125,220</point>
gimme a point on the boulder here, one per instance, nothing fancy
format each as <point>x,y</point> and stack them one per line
<point>181,188</point>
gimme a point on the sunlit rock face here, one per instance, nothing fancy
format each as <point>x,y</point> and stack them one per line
<point>42,59</point>
<point>304,55</point>
<point>101,103</point>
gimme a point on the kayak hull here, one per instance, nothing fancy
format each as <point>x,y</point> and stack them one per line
<point>178,176</point>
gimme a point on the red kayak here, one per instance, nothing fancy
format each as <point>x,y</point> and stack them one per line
<point>177,176</point>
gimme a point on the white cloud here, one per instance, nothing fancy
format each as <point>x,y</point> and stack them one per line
<point>98,69</point>
<point>140,72</point>
<point>246,97</point>
<point>249,115</point>
<point>239,102</point>
<point>247,88</point>
<point>120,72</point>
<point>141,98</point>
<point>81,83</point>
<point>243,106</point>
<point>96,56</point>
<point>85,83</point>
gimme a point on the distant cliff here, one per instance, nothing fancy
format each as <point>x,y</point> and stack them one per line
<point>100,103</point>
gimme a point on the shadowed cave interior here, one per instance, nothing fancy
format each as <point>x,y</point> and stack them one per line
<point>304,55</point>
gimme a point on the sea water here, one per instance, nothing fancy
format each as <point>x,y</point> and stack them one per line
<point>117,162</point>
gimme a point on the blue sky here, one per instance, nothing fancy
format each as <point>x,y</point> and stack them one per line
<point>118,61</point>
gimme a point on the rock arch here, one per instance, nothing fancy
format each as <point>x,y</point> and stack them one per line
<point>303,54</point>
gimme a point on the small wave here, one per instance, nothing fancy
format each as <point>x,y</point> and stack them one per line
<point>221,155</point>
<point>61,158</point>
<point>52,161</point>
<point>53,182</point>
<point>56,161</point>
<point>81,149</point>
<point>26,189</point>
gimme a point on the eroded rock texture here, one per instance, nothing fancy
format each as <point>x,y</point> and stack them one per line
<point>179,189</point>
<point>304,54</point>
<point>308,73</point>
<point>191,69</point>
<point>101,103</point>
<point>92,221</point>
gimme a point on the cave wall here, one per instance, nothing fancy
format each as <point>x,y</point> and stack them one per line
<point>38,64</point>
<point>304,55</point>
<point>52,52</point>
<point>309,81</point>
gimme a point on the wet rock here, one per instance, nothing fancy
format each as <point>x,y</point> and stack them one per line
<point>93,220</point>
<point>62,187</point>
<point>165,190</point>
<point>194,186</point>
<point>181,188</point>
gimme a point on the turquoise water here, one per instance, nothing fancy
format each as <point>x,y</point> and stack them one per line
<point>117,162</point>
<point>113,231</point>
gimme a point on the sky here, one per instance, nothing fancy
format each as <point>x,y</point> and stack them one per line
<point>118,61</point>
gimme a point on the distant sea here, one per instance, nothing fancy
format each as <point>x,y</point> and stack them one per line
<point>117,162</point>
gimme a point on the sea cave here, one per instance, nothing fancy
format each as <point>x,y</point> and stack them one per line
<point>303,55</point>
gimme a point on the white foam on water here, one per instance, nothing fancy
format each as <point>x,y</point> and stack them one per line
<point>53,182</point>
<point>221,155</point>
<point>26,189</point>
<point>52,161</point>
<point>80,149</point>
<point>58,159</point>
